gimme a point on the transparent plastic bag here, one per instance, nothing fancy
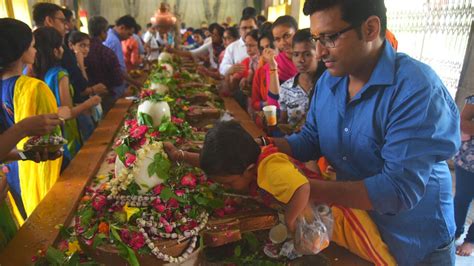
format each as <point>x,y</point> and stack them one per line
<point>313,230</point>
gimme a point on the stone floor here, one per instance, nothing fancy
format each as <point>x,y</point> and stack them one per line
<point>466,261</point>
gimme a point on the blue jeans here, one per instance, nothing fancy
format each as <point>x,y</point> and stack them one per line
<point>462,201</point>
<point>442,256</point>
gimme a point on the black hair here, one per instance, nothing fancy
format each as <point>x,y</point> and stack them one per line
<point>247,18</point>
<point>265,28</point>
<point>138,28</point>
<point>200,32</point>
<point>191,29</point>
<point>253,34</point>
<point>268,36</point>
<point>228,150</point>
<point>233,32</point>
<point>287,21</point>
<point>16,39</point>
<point>77,36</point>
<point>67,14</point>
<point>46,40</point>
<point>127,21</point>
<point>97,25</point>
<point>303,35</point>
<point>43,10</point>
<point>249,12</point>
<point>261,19</point>
<point>218,27</point>
<point>149,25</point>
<point>354,12</point>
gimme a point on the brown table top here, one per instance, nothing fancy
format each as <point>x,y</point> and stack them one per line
<point>60,203</point>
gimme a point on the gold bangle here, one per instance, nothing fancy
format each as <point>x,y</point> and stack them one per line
<point>182,155</point>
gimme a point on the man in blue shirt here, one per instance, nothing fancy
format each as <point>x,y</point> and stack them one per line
<point>386,123</point>
<point>123,29</point>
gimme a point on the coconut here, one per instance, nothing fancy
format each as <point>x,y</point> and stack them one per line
<point>164,56</point>
<point>156,110</point>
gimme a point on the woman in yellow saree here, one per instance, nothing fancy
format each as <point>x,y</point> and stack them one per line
<point>22,97</point>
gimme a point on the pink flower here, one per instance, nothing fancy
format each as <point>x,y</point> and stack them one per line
<point>202,179</point>
<point>157,190</point>
<point>132,123</point>
<point>139,144</point>
<point>159,207</point>
<point>178,101</point>
<point>168,228</point>
<point>219,212</point>
<point>63,245</point>
<point>98,202</point>
<point>137,241</point>
<point>179,192</point>
<point>129,159</point>
<point>188,180</point>
<point>5,169</point>
<point>146,93</point>
<point>176,120</point>
<point>173,203</point>
<point>111,160</point>
<point>125,235</point>
<point>138,132</point>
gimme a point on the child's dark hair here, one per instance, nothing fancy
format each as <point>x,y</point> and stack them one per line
<point>46,40</point>
<point>199,32</point>
<point>303,35</point>
<point>233,32</point>
<point>228,150</point>
<point>16,39</point>
<point>77,36</point>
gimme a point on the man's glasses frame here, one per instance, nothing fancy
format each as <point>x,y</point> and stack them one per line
<point>329,40</point>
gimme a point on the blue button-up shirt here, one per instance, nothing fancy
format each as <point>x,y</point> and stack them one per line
<point>395,134</point>
<point>114,43</point>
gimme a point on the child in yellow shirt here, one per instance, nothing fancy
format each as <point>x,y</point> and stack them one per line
<point>231,157</point>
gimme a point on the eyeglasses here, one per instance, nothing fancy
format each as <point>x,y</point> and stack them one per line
<point>63,20</point>
<point>329,41</point>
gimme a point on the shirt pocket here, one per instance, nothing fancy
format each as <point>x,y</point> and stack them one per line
<point>366,155</point>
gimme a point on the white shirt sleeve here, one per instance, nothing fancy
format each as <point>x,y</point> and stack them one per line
<point>201,50</point>
<point>227,60</point>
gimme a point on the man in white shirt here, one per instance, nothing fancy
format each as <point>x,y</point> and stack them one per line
<point>236,52</point>
<point>151,44</point>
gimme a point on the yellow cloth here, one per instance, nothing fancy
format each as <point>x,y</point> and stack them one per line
<point>354,230</point>
<point>33,97</point>
<point>277,175</point>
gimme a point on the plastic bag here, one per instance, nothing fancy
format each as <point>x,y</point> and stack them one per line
<point>313,230</point>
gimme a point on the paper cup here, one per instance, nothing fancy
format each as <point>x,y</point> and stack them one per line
<point>270,112</point>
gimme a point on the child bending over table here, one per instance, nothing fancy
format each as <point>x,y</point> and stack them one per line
<point>231,157</point>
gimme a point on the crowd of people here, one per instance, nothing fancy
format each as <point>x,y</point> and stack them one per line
<point>383,122</point>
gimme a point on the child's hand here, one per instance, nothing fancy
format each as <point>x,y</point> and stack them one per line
<point>296,206</point>
<point>95,100</point>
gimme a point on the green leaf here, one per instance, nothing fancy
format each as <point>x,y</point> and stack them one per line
<point>55,256</point>
<point>86,215</point>
<point>99,239</point>
<point>133,188</point>
<point>121,150</point>
<point>145,119</point>
<point>90,232</point>
<point>166,193</point>
<point>201,200</point>
<point>124,251</point>
<point>162,166</point>
<point>73,260</point>
<point>237,251</point>
<point>216,203</point>
<point>252,240</point>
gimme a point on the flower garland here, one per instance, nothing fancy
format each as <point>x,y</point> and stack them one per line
<point>123,179</point>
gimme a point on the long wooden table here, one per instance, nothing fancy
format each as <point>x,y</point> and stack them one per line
<point>59,205</point>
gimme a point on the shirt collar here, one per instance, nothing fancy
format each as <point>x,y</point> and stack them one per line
<point>383,74</point>
<point>111,30</point>
<point>295,80</point>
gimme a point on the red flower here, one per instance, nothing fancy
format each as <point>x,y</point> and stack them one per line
<point>179,192</point>
<point>229,209</point>
<point>155,134</point>
<point>157,190</point>
<point>178,101</point>
<point>132,123</point>
<point>173,203</point>
<point>129,159</point>
<point>98,202</point>
<point>176,120</point>
<point>188,180</point>
<point>160,207</point>
<point>137,241</point>
<point>202,179</point>
<point>125,235</point>
<point>138,132</point>
<point>146,93</point>
<point>168,228</point>
<point>219,212</point>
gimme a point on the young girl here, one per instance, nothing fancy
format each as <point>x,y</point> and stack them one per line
<point>80,43</point>
<point>47,67</point>
<point>22,97</point>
